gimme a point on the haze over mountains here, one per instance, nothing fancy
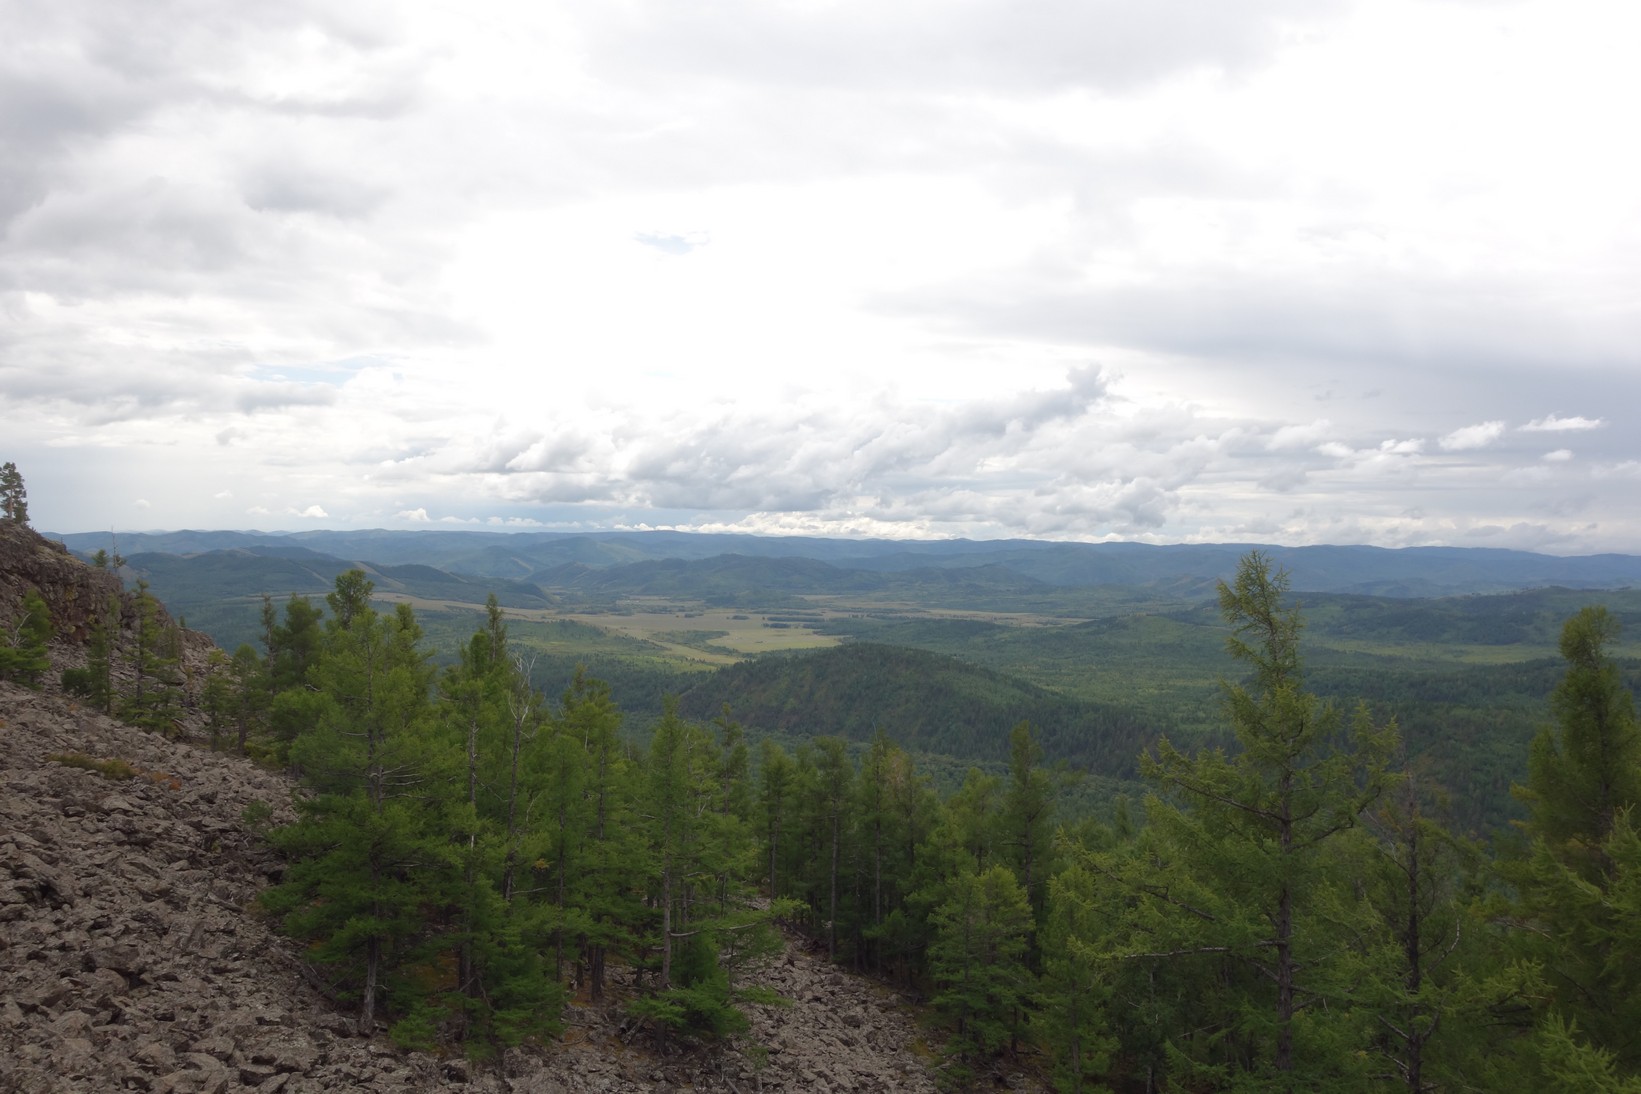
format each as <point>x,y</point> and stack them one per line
<point>946,644</point>
<point>672,562</point>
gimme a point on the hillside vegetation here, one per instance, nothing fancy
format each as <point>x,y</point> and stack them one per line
<point>470,856</point>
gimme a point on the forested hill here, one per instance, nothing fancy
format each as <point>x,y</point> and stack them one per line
<point>527,556</point>
<point>924,702</point>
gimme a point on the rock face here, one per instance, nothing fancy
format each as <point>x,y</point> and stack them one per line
<point>132,958</point>
<point>71,589</point>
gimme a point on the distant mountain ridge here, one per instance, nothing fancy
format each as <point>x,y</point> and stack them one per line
<point>549,558</point>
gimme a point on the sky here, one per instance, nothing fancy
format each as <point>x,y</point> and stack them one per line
<point>1277,271</point>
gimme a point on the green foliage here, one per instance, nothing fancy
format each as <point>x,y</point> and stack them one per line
<point>23,656</point>
<point>116,770</point>
<point>924,700</point>
<point>1239,868</point>
<point>95,682</point>
<point>1579,881</point>
<point>978,960</point>
<point>1078,983</point>
<point>236,696</point>
<point>371,850</point>
<point>1280,923</point>
<point>155,699</point>
<point>13,494</point>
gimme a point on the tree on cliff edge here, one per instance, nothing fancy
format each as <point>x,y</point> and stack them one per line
<point>13,496</point>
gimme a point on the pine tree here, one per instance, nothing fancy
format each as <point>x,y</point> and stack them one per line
<point>700,853</point>
<point>1579,883</point>
<point>834,777</point>
<point>13,495</point>
<point>777,778</point>
<point>1077,982</point>
<point>236,696</point>
<point>1027,821</point>
<point>102,649</point>
<point>372,850</point>
<point>155,700</point>
<point>612,853</point>
<point>23,655</point>
<point>1415,903</point>
<point>291,649</point>
<point>978,960</point>
<point>504,989</point>
<point>1250,832</point>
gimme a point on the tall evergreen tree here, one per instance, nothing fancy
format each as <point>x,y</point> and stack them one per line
<point>13,494</point>
<point>372,849</point>
<point>1249,833</point>
<point>612,851</point>
<point>978,960</point>
<point>23,644</point>
<point>155,700</point>
<point>1579,883</point>
<point>292,647</point>
<point>236,696</point>
<point>1027,821</point>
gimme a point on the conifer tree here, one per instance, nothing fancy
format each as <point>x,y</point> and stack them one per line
<point>23,654</point>
<point>833,779</point>
<point>291,648</point>
<point>1415,905</point>
<point>777,777</point>
<point>612,852</point>
<point>236,696</point>
<point>155,701</point>
<point>978,960</point>
<point>1249,834</point>
<point>372,848</point>
<point>1077,982</point>
<point>13,495</point>
<point>695,846</point>
<point>1027,821</point>
<point>1579,883</point>
<point>102,648</point>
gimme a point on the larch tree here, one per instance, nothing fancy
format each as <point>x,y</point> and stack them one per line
<point>978,960</point>
<point>1579,883</point>
<point>372,848</point>
<point>1250,833</point>
<point>23,643</point>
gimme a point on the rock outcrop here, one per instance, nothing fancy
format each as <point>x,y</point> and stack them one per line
<point>72,590</point>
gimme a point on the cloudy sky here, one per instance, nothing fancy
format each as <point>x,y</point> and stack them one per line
<point>1285,271</point>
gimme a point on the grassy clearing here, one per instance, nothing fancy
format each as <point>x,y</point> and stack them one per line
<point>721,634</point>
<point>115,770</point>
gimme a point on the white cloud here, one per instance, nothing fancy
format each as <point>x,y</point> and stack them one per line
<point>1472,437</point>
<point>1560,455</point>
<point>925,269</point>
<point>1553,424</point>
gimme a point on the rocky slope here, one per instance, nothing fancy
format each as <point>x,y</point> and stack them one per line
<point>133,959</point>
<point>132,956</point>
